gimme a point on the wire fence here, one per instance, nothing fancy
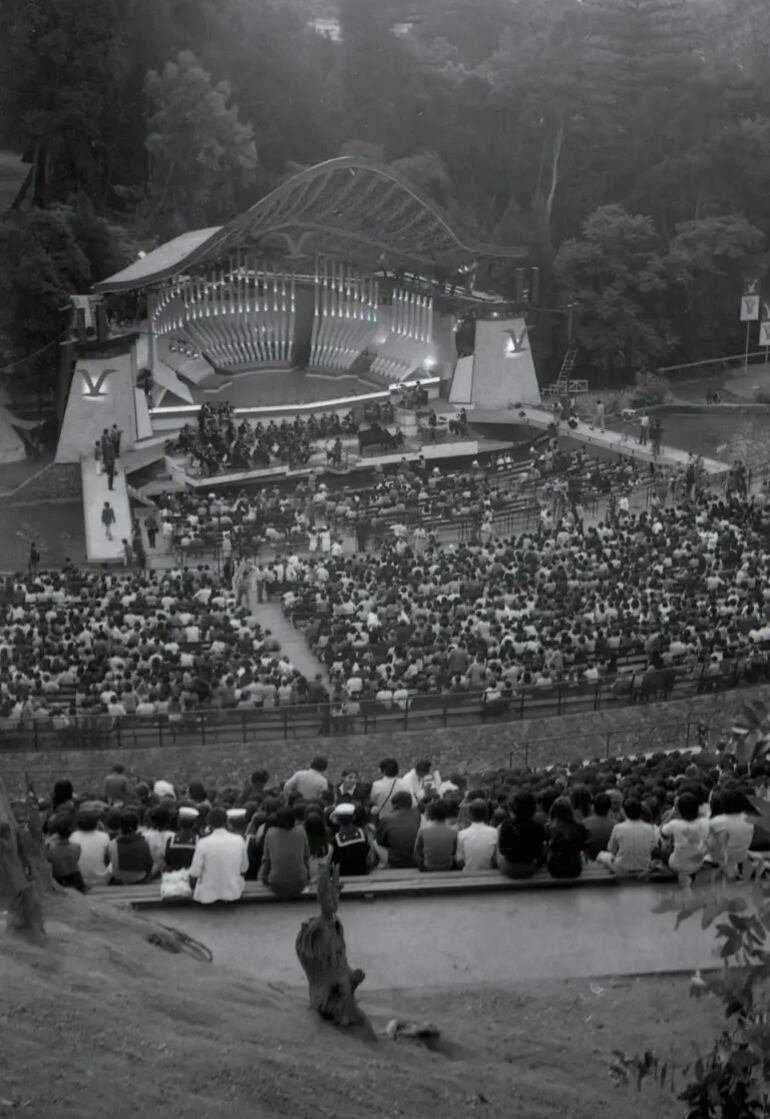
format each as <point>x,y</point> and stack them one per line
<point>86,730</point>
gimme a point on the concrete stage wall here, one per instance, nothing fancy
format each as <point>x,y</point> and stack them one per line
<point>102,393</point>
<point>503,366</point>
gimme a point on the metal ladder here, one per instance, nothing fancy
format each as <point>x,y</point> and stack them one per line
<point>561,384</point>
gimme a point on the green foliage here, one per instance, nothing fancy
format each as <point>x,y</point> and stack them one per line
<point>650,390</point>
<point>49,255</point>
<point>731,1080</point>
<point>200,152</point>
<point>625,142</point>
<point>616,273</point>
<point>749,741</point>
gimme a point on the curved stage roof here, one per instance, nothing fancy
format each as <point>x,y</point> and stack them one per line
<point>345,208</point>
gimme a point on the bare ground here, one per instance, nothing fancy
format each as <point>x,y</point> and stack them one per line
<point>100,1023</point>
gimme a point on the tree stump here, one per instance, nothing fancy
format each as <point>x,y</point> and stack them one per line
<point>320,948</point>
<point>20,874</point>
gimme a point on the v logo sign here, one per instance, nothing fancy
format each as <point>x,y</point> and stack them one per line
<point>94,388</point>
<point>517,340</point>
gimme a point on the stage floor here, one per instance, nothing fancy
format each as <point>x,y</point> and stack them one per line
<point>275,387</point>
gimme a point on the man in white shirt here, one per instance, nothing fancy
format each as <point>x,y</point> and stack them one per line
<point>309,783</point>
<point>219,862</point>
<point>477,844</point>
<point>631,844</point>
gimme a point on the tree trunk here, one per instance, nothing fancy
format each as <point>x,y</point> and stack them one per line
<point>555,157</point>
<point>20,873</point>
<point>320,948</point>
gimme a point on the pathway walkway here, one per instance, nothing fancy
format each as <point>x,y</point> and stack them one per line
<point>95,492</point>
<point>473,939</point>
<point>592,436</point>
<point>293,643</point>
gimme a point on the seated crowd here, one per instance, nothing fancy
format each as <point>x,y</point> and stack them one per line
<point>415,493</point>
<point>685,588</point>
<point>153,644</point>
<point>668,814</point>
<point>681,590</point>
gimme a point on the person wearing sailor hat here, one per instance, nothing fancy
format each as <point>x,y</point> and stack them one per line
<point>236,820</point>
<point>351,849</point>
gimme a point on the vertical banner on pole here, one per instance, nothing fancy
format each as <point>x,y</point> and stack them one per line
<point>750,301</point>
<point>749,313</point>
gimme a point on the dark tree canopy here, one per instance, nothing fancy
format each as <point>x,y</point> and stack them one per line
<point>561,126</point>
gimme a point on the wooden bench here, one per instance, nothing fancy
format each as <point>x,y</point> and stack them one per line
<point>388,884</point>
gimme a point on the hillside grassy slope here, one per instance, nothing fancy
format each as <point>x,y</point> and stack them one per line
<point>102,1023</point>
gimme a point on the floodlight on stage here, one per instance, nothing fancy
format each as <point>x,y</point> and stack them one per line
<point>429,363</point>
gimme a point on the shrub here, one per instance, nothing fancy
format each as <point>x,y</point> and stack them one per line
<point>650,390</point>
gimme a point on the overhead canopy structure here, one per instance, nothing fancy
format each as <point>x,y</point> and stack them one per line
<point>346,208</point>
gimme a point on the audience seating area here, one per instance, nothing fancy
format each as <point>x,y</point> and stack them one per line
<point>575,812</point>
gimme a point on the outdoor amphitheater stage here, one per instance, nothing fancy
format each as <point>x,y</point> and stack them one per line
<point>284,387</point>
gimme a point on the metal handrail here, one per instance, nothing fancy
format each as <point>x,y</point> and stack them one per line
<point>99,730</point>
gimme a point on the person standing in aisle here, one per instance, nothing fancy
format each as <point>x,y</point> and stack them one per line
<point>108,519</point>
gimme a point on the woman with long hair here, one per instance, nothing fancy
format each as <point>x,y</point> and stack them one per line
<point>567,839</point>
<point>63,798</point>
<point>522,839</point>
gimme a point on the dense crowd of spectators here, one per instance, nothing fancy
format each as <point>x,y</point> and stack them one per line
<point>413,493</point>
<point>669,813</point>
<point>684,586</point>
<point>680,589</point>
<point>157,643</point>
<point>410,493</point>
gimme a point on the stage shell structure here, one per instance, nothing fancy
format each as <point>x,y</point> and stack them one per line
<point>338,289</point>
<point>345,267</point>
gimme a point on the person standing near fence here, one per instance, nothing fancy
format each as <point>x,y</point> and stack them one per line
<point>644,429</point>
<point>600,414</point>
<point>655,435</point>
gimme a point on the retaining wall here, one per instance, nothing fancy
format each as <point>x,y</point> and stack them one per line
<point>626,730</point>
